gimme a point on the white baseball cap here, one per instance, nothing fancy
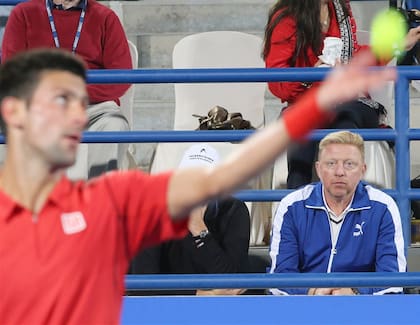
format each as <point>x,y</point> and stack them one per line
<point>200,155</point>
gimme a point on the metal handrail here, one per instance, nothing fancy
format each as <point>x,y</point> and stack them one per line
<point>402,135</point>
<point>272,280</point>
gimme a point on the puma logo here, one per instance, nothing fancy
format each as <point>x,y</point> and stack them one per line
<point>358,229</point>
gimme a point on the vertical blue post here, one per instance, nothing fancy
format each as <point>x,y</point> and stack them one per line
<point>402,152</point>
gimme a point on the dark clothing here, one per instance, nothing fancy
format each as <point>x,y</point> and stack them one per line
<point>300,157</point>
<point>412,56</point>
<point>225,249</point>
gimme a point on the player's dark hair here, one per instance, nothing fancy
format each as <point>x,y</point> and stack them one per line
<point>20,75</point>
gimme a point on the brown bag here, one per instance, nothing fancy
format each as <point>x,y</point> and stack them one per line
<point>218,118</point>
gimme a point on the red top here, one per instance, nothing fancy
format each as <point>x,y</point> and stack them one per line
<point>102,44</point>
<point>283,43</point>
<point>66,265</point>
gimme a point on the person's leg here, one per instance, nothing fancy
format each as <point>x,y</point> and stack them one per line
<point>106,116</point>
<point>300,158</point>
<point>2,153</point>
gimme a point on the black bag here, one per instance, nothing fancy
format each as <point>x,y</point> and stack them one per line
<point>415,204</point>
<point>218,118</point>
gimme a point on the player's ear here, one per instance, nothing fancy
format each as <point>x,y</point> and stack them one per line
<point>12,111</point>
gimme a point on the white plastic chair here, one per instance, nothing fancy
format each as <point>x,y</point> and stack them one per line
<point>218,49</point>
<point>80,169</point>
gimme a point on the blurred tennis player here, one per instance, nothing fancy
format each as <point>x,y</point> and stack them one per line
<point>65,246</point>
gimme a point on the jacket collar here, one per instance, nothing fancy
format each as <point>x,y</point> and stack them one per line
<point>360,200</point>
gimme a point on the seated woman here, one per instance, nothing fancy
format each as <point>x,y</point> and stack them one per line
<point>294,37</point>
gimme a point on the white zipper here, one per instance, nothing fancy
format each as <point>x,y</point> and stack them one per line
<point>330,261</point>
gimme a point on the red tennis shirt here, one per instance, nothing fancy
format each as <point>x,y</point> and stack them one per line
<point>66,264</point>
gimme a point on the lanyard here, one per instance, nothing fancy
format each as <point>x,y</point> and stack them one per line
<point>54,30</point>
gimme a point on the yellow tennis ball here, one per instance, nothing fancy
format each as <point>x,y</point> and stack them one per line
<point>387,34</point>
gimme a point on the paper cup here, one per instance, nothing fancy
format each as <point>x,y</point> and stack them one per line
<point>332,50</point>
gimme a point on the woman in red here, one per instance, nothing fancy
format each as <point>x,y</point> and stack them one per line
<point>294,37</point>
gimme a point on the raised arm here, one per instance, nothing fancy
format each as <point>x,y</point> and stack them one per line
<point>191,187</point>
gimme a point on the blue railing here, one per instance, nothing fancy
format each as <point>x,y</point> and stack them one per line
<point>14,2</point>
<point>402,135</point>
<point>266,280</point>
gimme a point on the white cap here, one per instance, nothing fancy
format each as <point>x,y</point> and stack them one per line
<point>199,155</point>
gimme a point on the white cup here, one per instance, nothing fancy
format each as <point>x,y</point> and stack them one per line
<point>332,50</point>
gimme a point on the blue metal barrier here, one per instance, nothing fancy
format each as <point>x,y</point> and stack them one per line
<point>272,310</point>
<point>272,280</point>
<point>10,2</point>
<point>402,135</point>
<point>15,2</point>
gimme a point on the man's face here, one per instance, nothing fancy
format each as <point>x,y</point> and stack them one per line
<point>340,168</point>
<point>55,119</point>
<point>67,3</point>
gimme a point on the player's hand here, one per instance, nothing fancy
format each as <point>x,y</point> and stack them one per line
<point>346,82</point>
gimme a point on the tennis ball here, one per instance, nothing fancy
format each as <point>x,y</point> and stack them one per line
<point>387,34</point>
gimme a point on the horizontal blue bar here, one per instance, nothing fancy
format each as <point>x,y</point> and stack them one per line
<point>206,75</point>
<point>277,195</point>
<point>15,2</point>
<point>413,134</point>
<point>219,75</point>
<point>10,2</point>
<point>215,136</point>
<point>265,280</point>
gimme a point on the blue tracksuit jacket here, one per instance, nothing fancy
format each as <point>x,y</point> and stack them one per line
<point>370,239</point>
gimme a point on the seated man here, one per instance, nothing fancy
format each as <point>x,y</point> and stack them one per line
<point>94,32</point>
<point>339,224</point>
<point>217,241</point>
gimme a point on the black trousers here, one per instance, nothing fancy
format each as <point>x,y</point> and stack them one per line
<point>300,157</point>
